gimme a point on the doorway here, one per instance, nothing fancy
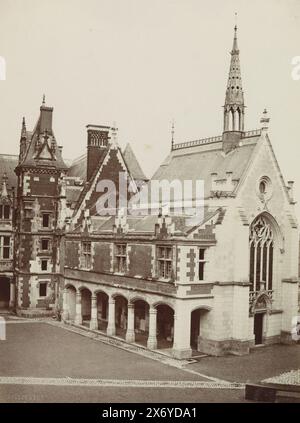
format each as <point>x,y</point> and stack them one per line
<point>195,329</point>
<point>258,328</point>
<point>4,292</point>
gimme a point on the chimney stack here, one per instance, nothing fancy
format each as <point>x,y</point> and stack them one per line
<point>97,145</point>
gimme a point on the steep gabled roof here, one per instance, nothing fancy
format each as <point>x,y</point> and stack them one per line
<point>42,149</point>
<point>199,161</point>
<point>79,166</point>
<point>8,163</point>
<point>133,164</point>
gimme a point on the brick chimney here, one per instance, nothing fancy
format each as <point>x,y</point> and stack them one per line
<point>97,144</point>
<point>45,118</point>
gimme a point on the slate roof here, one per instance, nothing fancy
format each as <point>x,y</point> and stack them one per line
<point>79,165</point>
<point>8,163</point>
<point>44,157</point>
<point>198,162</point>
<point>133,164</point>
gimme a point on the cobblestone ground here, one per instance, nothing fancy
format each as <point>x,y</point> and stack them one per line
<point>288,378</point>
<point>262,363</point>
<point>41,362</point>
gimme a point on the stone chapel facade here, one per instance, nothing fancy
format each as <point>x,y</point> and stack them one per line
<point>223,285</point>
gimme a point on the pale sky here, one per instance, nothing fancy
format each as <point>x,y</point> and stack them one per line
<point>141,63</point>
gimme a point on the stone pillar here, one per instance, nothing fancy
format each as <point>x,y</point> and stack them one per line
<point>78,315</point>
<point>12,295</point>
<point>94,320</point>
<point>130,335</point>
<point>111,326</point>
<point>152,337</point>
<point>182,329</point>
<point>65,313</point>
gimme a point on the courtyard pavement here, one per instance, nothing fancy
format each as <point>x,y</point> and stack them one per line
<point>41,362</point>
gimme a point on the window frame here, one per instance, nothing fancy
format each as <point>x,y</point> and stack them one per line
<point>46,289</point>
<point>48,241</point>
<point>5,247</point>
<point>86,255</point>
<point>43,215</point>
<point>164,262</point>
<point>44,259</point>
<point>120,249</point>
<point>3,214</point>
<point>201,263</point>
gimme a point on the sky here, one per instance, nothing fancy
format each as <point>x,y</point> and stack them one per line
<point>142,63</point>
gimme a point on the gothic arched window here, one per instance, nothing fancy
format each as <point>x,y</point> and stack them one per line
<point>261,255</point>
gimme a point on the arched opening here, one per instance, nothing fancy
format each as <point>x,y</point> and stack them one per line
<point>102,311</point>
<point>195,329</point>
<point>86,305</point>
<point>198,325</point>
<point>239,119</point>
<point>121,305</point>
<point>261,242</point>
<point>71,302</point>
<point>4,292</point>
<point>141,321</point>
<point>232,120</point>
<point>165,326</point>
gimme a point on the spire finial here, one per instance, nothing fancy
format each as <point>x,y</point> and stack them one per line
<point>114,131</point>
<point>44,100</point>
<point>23,131</point>
<point>265,120</point>
<point>4,187</point>
<point>172,132</point>
<point>234,107</point>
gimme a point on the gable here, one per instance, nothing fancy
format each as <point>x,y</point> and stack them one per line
<point>112,168</point>
<point>264,166</point>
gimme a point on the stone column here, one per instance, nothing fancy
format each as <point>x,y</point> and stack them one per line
<point>152,337</point>
<point>182,329</point>
<point>111,325</point>
<point>78,315</point>
<point>65,313</point>
<point>94,320</point>
<point>12,295</point>
<point>130,335</point>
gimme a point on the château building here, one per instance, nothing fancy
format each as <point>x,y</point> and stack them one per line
<point>222,285</point>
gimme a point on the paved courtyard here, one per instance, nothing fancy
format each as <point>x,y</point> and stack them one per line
<point>40,362</point>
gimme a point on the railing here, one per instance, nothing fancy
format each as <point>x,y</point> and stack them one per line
<point>197,142</point>
<point>253,133</point>
<point>210,140</point>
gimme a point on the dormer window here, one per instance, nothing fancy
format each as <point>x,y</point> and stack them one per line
<point>4,211</point>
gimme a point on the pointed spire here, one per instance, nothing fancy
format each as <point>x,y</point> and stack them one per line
<point>44,100</point>
<point>4,192</point>
<point>23,131</point>
<point>234,99</point>
<point>172,132</point>
<point>235,49</point>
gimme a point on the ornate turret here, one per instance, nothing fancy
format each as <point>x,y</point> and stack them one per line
<point>234,107</point>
